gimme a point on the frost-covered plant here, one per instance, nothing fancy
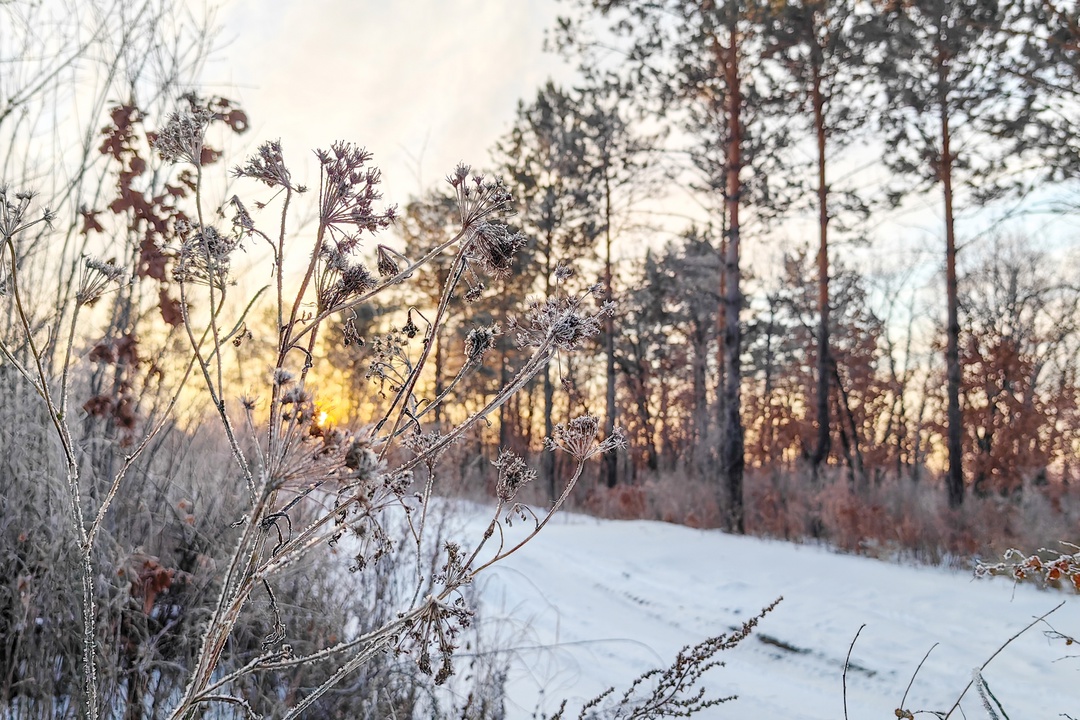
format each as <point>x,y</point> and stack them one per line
<point>991,706</point>
<point>1046,567</point>
<point>311,487</point>
<point>674,691</point>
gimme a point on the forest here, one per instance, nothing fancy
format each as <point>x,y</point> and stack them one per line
<point>775,357</point>
<point>686,287</point>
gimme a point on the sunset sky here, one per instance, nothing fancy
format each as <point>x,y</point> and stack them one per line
<point>422,84</point>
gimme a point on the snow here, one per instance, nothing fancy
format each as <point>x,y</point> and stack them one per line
<point>593,603</point>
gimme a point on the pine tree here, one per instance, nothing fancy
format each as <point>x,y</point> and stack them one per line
<point>820,71</point>
<point>544,160</point>
<point>949,101</point>
<point>619,171</point>
<point>688,63</point>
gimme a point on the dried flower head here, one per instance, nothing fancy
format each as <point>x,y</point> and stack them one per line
<point>242,222</point>
<point>342,279</point>
<point>95,277</point>
<point>351,334</point>
<point>479,340</point>
<point>298,406</point>
<point>348,192</point>
<point>205,255</point>
<point>478,198</point>
<point>13,209</point>
<point>475,293</point>
<point>181,140</point>
<point>514,474</point>
<point>578,438</point>
<point>410,329</point>
<point>430,445</point>
<point>389,360</point>
<point>296,396</point>
<point>559,321</point>
<point>493,247</point>
<point>438,626</point>
<point>386,264</point>
<point>267,166</point>
<point>362,460</point>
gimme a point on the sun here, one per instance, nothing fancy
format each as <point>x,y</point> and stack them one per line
<point>328,414</point>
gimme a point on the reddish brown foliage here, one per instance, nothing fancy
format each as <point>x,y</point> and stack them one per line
<point>622,502</point>
<point>893,517</point>
<point>1051,568</point>
<point>144,213</point>
<point>150,580</point>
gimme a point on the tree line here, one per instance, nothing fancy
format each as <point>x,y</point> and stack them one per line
<point>757,111</point>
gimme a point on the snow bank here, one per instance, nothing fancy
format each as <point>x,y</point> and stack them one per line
<point>593,603</point>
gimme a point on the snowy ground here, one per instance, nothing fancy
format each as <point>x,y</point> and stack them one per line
<point>593,603</point>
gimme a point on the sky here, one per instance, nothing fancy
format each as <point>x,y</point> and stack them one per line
<point>422,84</point>
<point>425,84</point>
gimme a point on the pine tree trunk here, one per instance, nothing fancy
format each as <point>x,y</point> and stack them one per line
<point>648,428</point>
<point>768,431</point>
<point>821,449</point>
<point>700,401</point>
<point>504,380</point>
<point>954,481</point>
<point>668,450</point>
<point>611,458</point>
<point>732,460</point>
<point>547,458</point>
<point>855,457</point>
<point>721,323</point>
<point>637,385</point>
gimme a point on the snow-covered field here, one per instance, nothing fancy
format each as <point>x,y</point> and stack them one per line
<point>592,603</point>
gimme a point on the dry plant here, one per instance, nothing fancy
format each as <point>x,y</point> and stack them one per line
<point>1048,568</point>
<point>1059,570</point>
<point>306,488</point>
<point>894,517</point>
<point>674,691</point>
<point>991,706</point>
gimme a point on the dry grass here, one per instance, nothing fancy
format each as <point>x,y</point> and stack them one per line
<point>160,559</point>
<point>893,518</point>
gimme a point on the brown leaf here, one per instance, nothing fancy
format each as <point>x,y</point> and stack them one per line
<point>171,312</point>
<point>90,222</point>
